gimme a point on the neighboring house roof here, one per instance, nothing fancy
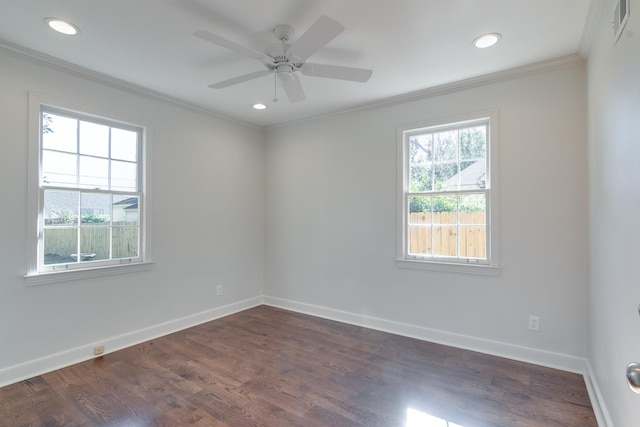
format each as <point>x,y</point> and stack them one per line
<point>130,203</point>
<point>471,177</point>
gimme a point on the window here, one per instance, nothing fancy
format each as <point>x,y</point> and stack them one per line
<point>88,204</point>
<point>447,196</point>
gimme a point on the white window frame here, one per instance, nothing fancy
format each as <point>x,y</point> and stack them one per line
<point>36,273</point>
<point>404,260</point>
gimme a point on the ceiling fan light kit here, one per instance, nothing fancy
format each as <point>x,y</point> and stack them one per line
<point>285,59</point>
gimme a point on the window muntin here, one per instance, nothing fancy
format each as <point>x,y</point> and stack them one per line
<point>446,193</point>
<point>90,190</point>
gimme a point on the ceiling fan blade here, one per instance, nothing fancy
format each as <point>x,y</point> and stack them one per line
<point>292,87</point>
<point>240,79</point>
<point>228,44</point>
<point>336,72</point>
<point>321,32</point>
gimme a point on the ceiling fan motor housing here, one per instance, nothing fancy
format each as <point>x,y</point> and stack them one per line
<point>278,53</point>
<point>283,33</point>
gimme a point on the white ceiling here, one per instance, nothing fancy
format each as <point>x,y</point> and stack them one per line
<point>412,45</point>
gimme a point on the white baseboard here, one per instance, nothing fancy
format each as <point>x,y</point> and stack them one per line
<point>496,348</point>
<point>32,368</point>
<point>510,351</point>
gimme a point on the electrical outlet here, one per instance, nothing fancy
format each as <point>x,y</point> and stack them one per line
<point>534,323</point>
<point>98,350</point>
<point>219,290</point>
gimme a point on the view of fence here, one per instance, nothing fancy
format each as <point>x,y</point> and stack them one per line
<point>61,244</point>
<point>444,237</point>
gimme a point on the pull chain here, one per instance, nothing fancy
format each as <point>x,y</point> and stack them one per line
<point>275,86</point>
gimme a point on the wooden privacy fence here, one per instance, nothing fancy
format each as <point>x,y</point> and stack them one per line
<point>61,243</point>
<point>445,235</point>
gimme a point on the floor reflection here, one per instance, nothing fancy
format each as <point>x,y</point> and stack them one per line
<point>417,418</point>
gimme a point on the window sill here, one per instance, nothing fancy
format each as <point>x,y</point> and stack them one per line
<point>485,270</point>
<point>35,279</point>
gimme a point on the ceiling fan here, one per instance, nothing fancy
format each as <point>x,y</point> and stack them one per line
<point>285,59</point>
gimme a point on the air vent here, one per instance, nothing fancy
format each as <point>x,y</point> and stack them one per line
<point>620,17</point>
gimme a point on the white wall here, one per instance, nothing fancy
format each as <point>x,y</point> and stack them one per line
<point>614,209</point>
<point>207,224</point>
<point>331,223</point>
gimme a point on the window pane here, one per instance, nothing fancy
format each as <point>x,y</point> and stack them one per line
<point>95,242</point>
<point>420,204</point>
<point>446,145</point>
<point>474,207</point>
<point>445,176</point>
<point>419,240</point>
<point>60,208</point>
<point>94,139</point>
<point>421,178</point>
<point>125,242</point>
<point>473,143</point>
<point>59,133</point>
<point>125,210</point>
<point>445,209</point>
<point>60,245</point>
<point>421,149</point>
<point>419,226</point>
<point>473,174</point>
<point>473,241</point>
<point>94,172</point>
<point>59,168</point>
<point>124,176</point>
<point>95,208</point>
<point>445,241</point>
<point>124,144</point>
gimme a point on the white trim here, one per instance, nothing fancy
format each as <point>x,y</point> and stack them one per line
<point>85,273</point>
<point>51,362</point>
<point>597,401</point>
<point>549,359</point>
<point>484,270</point>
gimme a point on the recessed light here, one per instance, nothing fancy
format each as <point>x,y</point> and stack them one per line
<point>486,40</point>
<point>62,26</point>
<point>259,106</point>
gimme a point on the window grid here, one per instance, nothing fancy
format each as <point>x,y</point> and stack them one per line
<point>456,221</point>
<point>84,191</point>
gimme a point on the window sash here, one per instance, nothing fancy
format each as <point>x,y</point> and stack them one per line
<point>458,225</point>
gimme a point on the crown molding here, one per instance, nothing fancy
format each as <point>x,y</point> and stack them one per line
<point>49,61</point>
<point>474,82</point>
<point>562,62</point>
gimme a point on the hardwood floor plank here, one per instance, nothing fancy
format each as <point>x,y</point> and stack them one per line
<point>271,367</point>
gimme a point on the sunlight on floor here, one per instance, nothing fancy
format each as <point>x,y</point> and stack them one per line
<point>417,418</point>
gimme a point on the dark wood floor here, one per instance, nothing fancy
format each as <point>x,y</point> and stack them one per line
<point>271,367</point>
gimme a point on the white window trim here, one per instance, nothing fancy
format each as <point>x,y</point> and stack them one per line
<point>33,276</point>
<point>492,268</point>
